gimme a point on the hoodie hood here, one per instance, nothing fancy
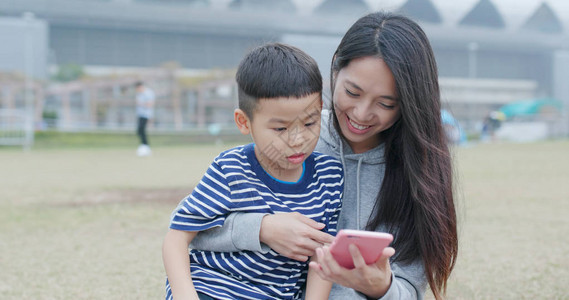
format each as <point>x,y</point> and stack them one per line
<point>363,175</point>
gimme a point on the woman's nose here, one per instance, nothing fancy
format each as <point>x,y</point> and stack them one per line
<point>361,111</point>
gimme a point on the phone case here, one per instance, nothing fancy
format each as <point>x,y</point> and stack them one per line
<point>370,244</point>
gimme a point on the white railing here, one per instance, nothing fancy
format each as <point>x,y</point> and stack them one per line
<point>16,128</point>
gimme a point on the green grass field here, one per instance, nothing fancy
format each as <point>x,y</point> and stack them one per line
<point>88,223</point>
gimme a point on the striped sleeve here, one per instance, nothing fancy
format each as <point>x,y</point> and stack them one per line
<point>207,205</point>
<point>332,227</point>
<point>335,179</point>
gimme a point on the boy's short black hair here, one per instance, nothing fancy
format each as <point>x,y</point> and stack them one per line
<point>138,83</point>
<point>276,70</point>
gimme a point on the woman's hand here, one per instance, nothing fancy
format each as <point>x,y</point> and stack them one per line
<point>293,235</point>
<point>372,280</point>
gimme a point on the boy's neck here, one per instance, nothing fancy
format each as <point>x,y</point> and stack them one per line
<point>292,181</point>
<point>271,167</point>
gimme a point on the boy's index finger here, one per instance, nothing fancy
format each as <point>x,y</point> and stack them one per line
<point>322,237</point>
<point>315,234</point>
<point>312,223</point>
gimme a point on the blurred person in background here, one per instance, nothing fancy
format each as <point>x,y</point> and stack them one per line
<point>452,128</point>
<point>145,100</point>
<point>385,126</point>
<point>491,124</point>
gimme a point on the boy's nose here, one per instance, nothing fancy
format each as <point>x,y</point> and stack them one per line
<point>295,138</point>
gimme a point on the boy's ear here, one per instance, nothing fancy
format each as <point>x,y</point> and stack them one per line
<point>242,121</point>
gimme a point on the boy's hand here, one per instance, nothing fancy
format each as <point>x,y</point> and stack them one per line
<point>293,235</point>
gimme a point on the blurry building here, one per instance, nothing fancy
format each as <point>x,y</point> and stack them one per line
<point>24,43</point>
<point>489,52</point>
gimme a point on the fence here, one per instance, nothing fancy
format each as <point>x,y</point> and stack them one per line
<point>188,102</point>
<point>108,103</point>
<point>16,128</point>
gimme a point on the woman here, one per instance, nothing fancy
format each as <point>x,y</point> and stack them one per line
<point>386,129</point>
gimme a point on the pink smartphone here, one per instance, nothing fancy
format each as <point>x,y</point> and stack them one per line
<point>370,244</point>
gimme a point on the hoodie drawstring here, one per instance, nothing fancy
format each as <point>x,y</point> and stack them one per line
<point>357,181</point>
<point>358,193</point>
<point>342,158</point>
<point>343,161</point>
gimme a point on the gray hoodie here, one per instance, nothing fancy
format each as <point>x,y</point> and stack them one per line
<point>364,173</point>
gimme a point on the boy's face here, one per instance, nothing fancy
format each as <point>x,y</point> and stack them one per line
<point>285,132</point>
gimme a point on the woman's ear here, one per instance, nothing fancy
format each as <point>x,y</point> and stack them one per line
<point>242,121</point>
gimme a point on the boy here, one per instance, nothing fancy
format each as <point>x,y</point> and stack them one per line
<point>280,100</point>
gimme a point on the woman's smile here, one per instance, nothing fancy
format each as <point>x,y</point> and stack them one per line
<point>355,127</point>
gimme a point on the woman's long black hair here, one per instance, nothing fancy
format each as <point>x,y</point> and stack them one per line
<point>416,197</point>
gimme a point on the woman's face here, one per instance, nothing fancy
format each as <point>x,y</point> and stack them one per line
<point>365,101</point>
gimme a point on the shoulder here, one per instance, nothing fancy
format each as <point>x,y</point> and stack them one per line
<point>234,157</point>
<point>325,162</point>
<point>328,176</point>
<point>235,152</point>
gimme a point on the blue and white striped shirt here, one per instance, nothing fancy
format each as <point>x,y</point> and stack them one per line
<point>236,182</point>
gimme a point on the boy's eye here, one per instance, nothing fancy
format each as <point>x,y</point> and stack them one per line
<point>351,93</point>
<point>279,129</point>
<point>309,124</point>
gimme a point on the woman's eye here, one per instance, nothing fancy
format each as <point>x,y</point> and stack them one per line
<point>387,106</point>
<point>351,94</point>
